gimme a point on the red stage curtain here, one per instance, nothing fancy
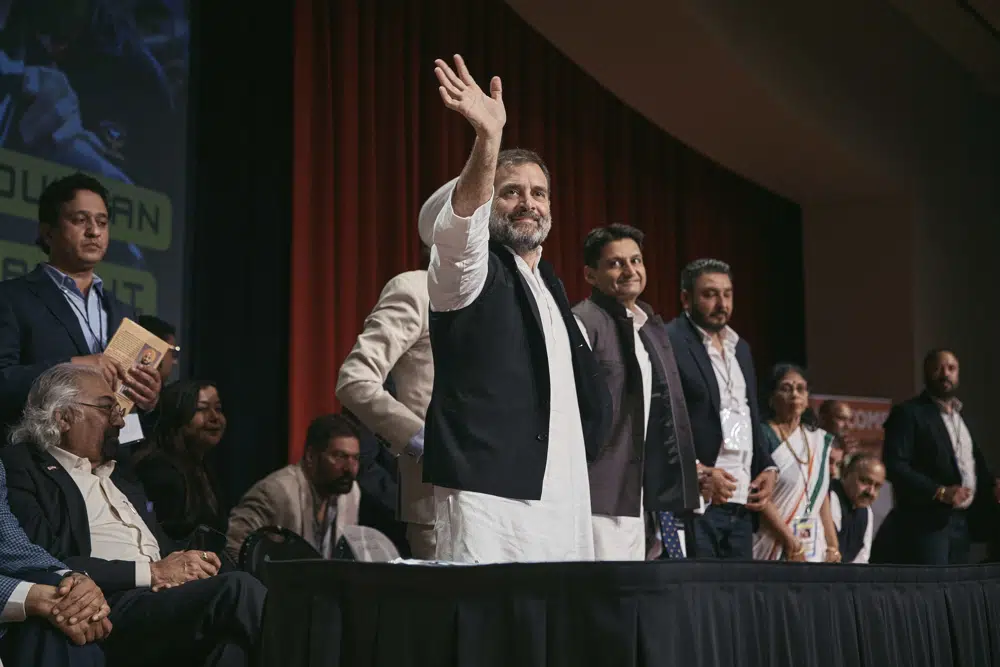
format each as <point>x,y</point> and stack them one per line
<point>373,140</point>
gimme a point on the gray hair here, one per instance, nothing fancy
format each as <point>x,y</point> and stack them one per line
<point>52,394</point>
<point>700,267</point>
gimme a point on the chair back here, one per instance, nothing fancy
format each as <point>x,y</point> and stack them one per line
<point>271,543</point>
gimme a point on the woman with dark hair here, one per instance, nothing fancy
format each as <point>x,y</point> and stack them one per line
<point>796,523</point>
<point>172,465</point>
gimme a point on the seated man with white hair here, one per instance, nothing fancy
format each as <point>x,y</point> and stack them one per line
<point>168,607</point>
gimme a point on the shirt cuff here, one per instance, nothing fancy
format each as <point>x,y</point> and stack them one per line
<point>63,573</point>
<point>143,575</point>
<point>415,447</point>
<point>13,610</point>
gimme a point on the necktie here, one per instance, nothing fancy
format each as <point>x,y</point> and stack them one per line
<point>668,533</point>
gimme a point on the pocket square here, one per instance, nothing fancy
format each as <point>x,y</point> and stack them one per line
<point>51,468</point>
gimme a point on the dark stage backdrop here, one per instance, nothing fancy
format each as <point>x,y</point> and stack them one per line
<point>240,185</point>
<point>372,140</point>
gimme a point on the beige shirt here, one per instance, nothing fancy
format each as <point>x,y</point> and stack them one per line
<point>117,531</point>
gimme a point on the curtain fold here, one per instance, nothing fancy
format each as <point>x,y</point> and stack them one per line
<point>373,140</point>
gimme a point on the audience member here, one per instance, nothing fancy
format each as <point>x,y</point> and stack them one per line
<point>508,438</point>
<point>796,523</point>
<point>937,471</point>
<point>61,312</point>
<point>173,466</point>
<point>168,607</point>
<point>851,505</point>
<point>168,334</point>
<point>396,344</point>
<point>720,389</point>
<point>314,498</point>
<point>835,417</point>
<point>646,467</point>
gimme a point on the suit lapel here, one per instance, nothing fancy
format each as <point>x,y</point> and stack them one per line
<point>701,359</point>
<point>47,292</point>
<point>940,432</point>
<point>79,523</point>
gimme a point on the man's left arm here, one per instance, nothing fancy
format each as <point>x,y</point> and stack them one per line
<point>762,468</point>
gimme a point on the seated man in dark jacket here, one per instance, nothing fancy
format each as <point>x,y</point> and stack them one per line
<point>167,607</point>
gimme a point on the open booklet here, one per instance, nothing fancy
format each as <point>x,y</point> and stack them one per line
<point>132,346</point>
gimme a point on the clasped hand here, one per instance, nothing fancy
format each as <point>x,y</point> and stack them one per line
<point>76,606</point>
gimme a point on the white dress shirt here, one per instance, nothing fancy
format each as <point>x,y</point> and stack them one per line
<point>961,442</point>
<point>475,527</point>
<point>624,537</point>
<point>117,531</point>
<point>732,393</point>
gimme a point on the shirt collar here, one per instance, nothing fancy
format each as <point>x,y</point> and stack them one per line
<point>62,280</point>
<point>729,336</point>
<point>68,460</point>
<point>949,405</point>
<point>523,264</point>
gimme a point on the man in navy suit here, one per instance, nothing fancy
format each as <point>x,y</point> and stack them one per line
<point>944,491</point>
<point>720,387</point>
<point>61,311</point>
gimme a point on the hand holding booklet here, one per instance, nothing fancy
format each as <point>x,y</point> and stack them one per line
<point>134,347</point>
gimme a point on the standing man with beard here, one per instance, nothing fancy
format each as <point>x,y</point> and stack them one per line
<point>938,474</point>
<point>851,499</point>
<point>315,498</point>
<point>518,406</point>
<point>720,387</point>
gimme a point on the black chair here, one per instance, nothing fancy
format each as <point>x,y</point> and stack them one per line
<point>272,543</point>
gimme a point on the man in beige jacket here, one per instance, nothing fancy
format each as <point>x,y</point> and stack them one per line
<point>315,498</point>
<point>396,342</point>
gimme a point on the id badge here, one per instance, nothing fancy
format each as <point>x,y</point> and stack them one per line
<point>805,531</point>
<point>736,435</point>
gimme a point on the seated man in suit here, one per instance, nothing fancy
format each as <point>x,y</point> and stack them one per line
<point>168,607</point>
<point>50,616</point>
<point>939,475</point>
<point>61,311</point>
<point>314,498</point>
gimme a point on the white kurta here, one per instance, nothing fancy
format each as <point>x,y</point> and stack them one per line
<point>796,486</point>
<point>624,537</point>
<point>475,527</point>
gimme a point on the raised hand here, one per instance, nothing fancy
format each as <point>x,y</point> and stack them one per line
<point>461,93</point>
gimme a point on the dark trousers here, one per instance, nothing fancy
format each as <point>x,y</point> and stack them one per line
<point>948,545</point>
<point>723,531</point>
<point>212,622</point>
<point>38,642</point>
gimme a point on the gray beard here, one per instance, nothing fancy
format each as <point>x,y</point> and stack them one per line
<point>502,230</point>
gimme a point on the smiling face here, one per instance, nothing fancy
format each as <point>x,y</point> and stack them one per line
<point>208,424</point>
<point>520,217</point>
<point>620,272</point>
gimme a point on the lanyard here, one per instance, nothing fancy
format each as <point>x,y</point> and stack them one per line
<point>85,314</point>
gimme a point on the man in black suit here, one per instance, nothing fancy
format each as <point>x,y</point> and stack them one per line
<point>942,486</point>
<point>61,311</point>
<point>73,500</point>
<point>720,388</point>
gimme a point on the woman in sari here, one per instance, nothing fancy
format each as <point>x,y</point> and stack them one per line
<point>796,523</point>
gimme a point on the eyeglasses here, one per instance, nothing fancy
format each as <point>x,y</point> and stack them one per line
<point>113,410</point>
